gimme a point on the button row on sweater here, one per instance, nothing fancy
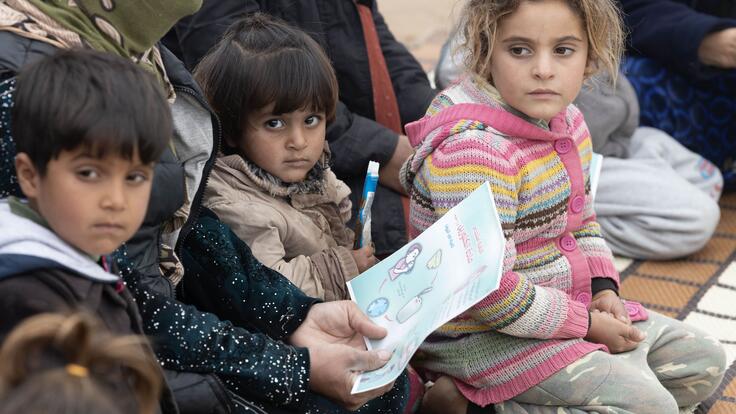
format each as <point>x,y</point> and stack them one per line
<point>563,146</point>
<point>583,297</point>
<point>568,243</point>
<point>577,204</point>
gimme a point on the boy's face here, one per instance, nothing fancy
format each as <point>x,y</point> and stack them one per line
<point>539,58</point>
<point>94,204</point>
<point>286,145</point>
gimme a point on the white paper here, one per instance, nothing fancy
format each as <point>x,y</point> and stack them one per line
<point>447,269</point>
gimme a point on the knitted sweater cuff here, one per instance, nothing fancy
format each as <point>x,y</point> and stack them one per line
<point>599,284</point>
<point>603,268</point>
<point>576,323</point>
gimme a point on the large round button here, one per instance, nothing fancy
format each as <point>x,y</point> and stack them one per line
<point>583,297</point>
<point>563,146</point>
<point>577,204</point>
<point>568,243</point>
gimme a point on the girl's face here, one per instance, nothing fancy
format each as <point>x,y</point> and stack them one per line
<point>286,145</point>
<point>539,58</point>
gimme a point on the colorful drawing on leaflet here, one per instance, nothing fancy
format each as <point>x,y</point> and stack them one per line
<point>436,260</point>
<point>377,307</point>
<point>412,306</point>
<point>406,263</point>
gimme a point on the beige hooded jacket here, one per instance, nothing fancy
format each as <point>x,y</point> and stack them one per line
<point>297,229</point>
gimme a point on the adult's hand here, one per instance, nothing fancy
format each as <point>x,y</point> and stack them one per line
<point>333,333</point>
<point>719,49</point>
<point>608,301</point>
<point>388,174</point>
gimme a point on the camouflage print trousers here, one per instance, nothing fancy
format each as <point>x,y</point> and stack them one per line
<point>675,366</point>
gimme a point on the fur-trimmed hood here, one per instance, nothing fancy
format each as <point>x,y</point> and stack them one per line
<point>314,184</point>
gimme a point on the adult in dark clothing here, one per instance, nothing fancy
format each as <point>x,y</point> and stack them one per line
<point>692,37</point>
<point>315,371</point>
<point>682,63</point>
<point>354,137</point>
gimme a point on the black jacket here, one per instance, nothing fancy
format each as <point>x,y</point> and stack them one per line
<point>354,137</point>
<point>670,31</point>
<point>60,290</point>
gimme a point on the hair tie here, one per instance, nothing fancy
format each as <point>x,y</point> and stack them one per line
<point>77,370</point>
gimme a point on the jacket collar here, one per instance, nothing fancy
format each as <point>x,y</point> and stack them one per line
<point>238,170</point>
<point>178,74</point>
<point>26,245</point>
<point>485,107</point>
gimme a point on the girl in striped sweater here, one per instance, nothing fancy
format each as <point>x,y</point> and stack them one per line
<point>555,337</point>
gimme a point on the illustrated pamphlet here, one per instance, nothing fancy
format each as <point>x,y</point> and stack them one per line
<point>448,268</point>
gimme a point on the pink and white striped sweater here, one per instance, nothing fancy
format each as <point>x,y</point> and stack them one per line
<point>533,325</point>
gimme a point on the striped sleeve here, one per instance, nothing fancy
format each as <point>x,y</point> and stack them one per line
<point>597,253</point>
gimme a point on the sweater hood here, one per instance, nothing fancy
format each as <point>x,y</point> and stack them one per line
<point>473,104</point>
<point>26,246</point>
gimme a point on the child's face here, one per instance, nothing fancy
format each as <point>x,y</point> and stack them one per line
<point>286,145</point>
<point>94,204</point>
<point>539,58</point>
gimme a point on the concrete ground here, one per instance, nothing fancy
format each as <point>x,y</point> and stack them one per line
<point>421,25</point>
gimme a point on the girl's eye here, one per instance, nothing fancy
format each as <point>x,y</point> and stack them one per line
<point>312,120</point>
<point>137,177</point>
<point>520,51</point>
<point>564,51</point>
<point>275,123</point>
<point>88,174</point>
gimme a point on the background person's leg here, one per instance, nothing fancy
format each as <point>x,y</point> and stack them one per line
<point>657,204</point>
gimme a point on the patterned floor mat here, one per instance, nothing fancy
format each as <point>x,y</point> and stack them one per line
<point>701,290</point>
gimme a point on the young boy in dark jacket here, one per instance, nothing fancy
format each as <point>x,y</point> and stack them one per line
<point>88,127</point>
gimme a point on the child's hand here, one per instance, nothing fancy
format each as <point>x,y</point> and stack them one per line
<point>611,332</point>
<point>364,258</point>
<point>608,301</point>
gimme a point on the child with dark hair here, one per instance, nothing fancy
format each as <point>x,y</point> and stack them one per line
<point>54,363</point>
<point>274,90</point>
<point>88,128</point>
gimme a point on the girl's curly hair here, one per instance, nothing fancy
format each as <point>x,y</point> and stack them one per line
<point>601,21</point>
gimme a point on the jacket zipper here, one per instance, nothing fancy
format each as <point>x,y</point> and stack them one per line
<point>227,404</point>
<point>196,206</point>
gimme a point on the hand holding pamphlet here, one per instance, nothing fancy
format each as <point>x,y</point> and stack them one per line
<point>448,268</point>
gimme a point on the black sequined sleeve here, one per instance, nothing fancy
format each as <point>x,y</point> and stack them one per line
<point>223,277</point>
<point>186,339</point>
